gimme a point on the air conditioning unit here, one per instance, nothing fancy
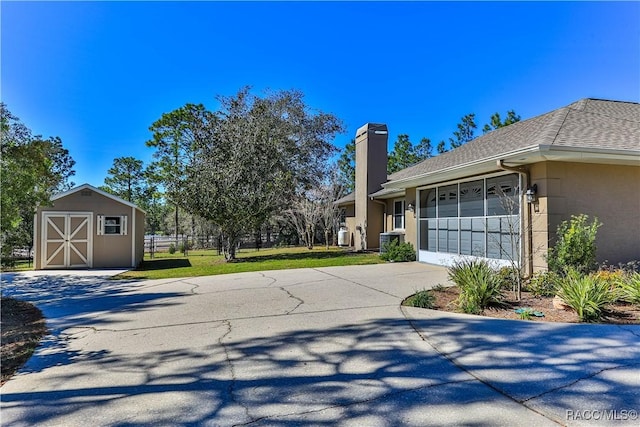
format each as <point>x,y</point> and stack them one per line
<point>389,237</point>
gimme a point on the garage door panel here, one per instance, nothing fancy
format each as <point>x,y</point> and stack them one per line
<point>77,254</point>
<point>55,254</point>
<point>78,228</point>
<point>55,227</point>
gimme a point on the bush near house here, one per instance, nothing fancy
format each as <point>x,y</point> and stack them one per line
<point>575,248</point>
<point>480,285</point>
<point>398,252</point>
<point>543,284</point>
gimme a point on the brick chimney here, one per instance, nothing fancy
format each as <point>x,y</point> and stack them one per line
<point>371,173</point>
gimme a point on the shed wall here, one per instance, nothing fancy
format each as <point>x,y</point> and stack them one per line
<point>109,251</point>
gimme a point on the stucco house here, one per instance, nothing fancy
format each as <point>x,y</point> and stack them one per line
<point>502,195</point>
<point>88,228</point>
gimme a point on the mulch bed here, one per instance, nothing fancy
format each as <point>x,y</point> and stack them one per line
<point>22,327</point>
<point>619,313</point>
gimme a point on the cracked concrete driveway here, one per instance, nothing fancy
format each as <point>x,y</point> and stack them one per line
<point>326,346</point>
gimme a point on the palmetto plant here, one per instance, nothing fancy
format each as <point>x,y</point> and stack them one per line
<point>423,299</point>
<point>587,295</point>
<point>629,286</point>
<point>479,285</point>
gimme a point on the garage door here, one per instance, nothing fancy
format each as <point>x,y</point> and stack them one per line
<point>67,240</point>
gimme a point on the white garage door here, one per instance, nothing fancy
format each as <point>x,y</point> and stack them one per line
<point>67,240</point>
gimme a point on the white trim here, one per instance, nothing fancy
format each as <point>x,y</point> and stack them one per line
<point>123,224</point>
<point>465,179</point>
<point>133,237</point>
<point>447,259</point>
<point>403,213</point>
<point>100,225</point>
<point>35,238</point>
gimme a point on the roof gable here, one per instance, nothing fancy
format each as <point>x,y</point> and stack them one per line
<point>97,190</point>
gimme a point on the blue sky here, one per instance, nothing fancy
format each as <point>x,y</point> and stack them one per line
<point>97,74</point>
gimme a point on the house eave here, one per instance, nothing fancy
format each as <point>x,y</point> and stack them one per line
<point>591,155</point>
<point>526,156</point>
<point>388,195</point>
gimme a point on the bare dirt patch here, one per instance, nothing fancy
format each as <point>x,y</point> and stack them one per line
<point>22,327</point>
<point>619,313</point>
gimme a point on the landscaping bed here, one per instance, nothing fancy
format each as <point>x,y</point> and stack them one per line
<point>22,327</point>
<point>616,313</point>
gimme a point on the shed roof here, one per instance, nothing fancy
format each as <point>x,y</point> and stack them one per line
<point>97,190</point>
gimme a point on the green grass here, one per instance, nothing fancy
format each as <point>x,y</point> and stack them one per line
<point>421,299</point>
<point>20,265</point>
<point>208,263</point>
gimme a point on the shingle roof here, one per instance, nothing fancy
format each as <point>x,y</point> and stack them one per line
<point>585,124</point>
<point>348,199</point>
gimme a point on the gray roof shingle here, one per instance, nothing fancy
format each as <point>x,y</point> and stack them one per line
<point>585,124</point>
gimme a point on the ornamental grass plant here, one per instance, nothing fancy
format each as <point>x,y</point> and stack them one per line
<point>629,288</point>
<point>480,285</point>
<point>588,295</point>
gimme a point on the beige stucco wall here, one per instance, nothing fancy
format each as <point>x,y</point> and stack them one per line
<point>351,228</point>
<point>108,250</point>
<point>609,192</point>
<point>410,219</point>
<point>350,221</point>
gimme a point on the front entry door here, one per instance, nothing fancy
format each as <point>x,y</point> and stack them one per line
<point>67,240</point>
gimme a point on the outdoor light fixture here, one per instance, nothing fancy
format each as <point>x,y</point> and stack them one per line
<point>531,193</point>
<point>412,208</point>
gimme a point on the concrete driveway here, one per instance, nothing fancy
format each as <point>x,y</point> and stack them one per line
<point>326,346</point>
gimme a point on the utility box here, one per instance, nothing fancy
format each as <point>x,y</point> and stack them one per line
<point>388,238</point>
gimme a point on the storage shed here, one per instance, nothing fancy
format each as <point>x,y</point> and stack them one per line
<point>88,228</point>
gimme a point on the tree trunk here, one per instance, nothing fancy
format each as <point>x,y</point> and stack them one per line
<point>176,218</point>
<point>229,247</point>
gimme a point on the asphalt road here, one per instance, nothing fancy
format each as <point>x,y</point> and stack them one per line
<point>326,346</point>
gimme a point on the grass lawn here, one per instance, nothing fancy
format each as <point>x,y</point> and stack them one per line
<point>209,263</point>
<point>20,265</point>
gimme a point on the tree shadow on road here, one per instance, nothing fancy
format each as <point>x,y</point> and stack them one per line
<point>373,372</point>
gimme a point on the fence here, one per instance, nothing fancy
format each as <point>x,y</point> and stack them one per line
<point>183,243</point>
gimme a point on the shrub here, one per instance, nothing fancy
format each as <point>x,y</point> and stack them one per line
<point>479,285</point>
<point>172,249</point>
<point>184,247</point>
<point>629,286</point>
<point>422,299</point>
<point>543,284</point>
<point>508,277</point>
<point>398,252</point>
<point>575,247</point>
<point>587,295</point>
